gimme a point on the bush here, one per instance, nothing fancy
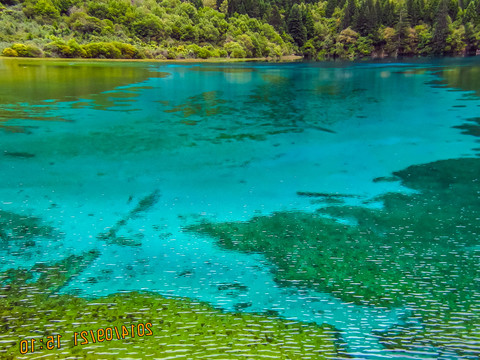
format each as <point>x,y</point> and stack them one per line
<point>204,53</point>
<point>235,50</point>
<point>127,51</point>
<point>102,50</point>
<point>9,52</point>
<point>41,8</point>
<point>70,50</point>
<point>22,50</point>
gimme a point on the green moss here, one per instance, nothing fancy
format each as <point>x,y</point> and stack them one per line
<point>112,236</point>
<point>206,104</point>
<point>22,230</point>
<point>420,251</point>
<point>29,309</point>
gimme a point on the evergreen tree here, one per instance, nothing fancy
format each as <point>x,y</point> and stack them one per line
<point>409,6</point>
<point>470,14</point>
<point>330,8</point>
<point>378,12</point>
<point>366,20</point>
<point>236,6</point>
<point>348,17</point>
<point>402,31</point>
<point>275,19</point>
<point>361,19</point>
<point>431,9</point>
<point>197,3</point>
<point>417,12</point>
<point>309,24</point>
<point>388,14</point>
<point>296,27</point>
<point>441,31</point>
<point>453,9</point>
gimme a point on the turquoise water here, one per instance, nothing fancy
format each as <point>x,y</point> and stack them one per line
<point>126,168</point>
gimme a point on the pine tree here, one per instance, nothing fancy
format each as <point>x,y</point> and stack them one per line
<point>309,24</point>
<point>388,14</point>
<point>417,11</point>
<point>402,31</point>
<point>275,19</point>
<point>453,9</point>
<point>441,30</point>
<point>366,20</point>
<point>360,22</point>
<point>330,8</point>
<point>470,13</point>
<point>296,27</point>
<point>348,17</point>
<point>378,12</point>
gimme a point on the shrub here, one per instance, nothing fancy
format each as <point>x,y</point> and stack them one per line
<point>193,50</point>
<point>41,8</point>
<point>127,51</point>
<point>70,50</point>
<point>9,52</point>
<point>22,50</point>
<point>235,50</point>
<point>204,53</point>
<point>102,50</point>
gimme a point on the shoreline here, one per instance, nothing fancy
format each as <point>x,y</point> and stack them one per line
<point>287,58</point>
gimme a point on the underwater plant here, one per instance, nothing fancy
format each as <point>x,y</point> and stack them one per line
<point>420,252</point>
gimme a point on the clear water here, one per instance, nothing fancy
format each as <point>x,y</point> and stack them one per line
<point>148,149</point>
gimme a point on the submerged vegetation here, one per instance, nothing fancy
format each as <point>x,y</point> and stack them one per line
<point>32,308</point>
<point>420,252</point>
<point>195,29</point>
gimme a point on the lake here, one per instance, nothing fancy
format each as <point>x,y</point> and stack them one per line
<point>240,210</point>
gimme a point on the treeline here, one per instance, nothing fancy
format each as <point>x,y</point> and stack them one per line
<point>174,29</point>
<point>355,28</point>
<point>168,29</point>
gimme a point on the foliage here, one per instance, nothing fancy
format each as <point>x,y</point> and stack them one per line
<point>257,28</point>
<point>22,50</point>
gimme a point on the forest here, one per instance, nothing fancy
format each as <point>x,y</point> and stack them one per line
<point>203,29</point>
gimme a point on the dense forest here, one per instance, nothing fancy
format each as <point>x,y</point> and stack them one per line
<point>175,29</point>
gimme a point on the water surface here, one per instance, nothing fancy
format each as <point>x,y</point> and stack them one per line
<point>340,194</point>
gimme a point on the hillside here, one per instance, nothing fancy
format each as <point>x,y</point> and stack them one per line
<point>172,29</point>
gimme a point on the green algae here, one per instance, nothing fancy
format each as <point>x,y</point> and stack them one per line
<point>206,104</point>
<point>471,127</point>
<point>18,232</point>
<point>179,327</point>
<point>15,112</point>
<point>19,154</point>
<point>419,252</point>
<point>145,204</point>
<point>112,235</point>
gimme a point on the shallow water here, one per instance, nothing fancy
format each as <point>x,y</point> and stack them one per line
<point>127,158</point>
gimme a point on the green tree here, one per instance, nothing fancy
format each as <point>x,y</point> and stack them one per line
<point>330,8</point>
<point>43,9</point>
<point>349,14</point>
<point>471,14</point>
<point>309,24</point>
<point>296,27</point>
<point>402,30</point>
<point>275,19</point>
<point>388,17</point>
<point>441,30</point>
<point>366,20</point>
